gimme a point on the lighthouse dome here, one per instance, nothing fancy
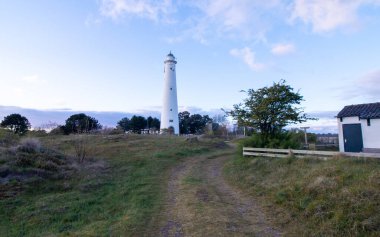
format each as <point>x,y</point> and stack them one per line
<point>170,58</point>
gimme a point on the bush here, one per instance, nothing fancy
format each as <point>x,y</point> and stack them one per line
<point>25,160</point>
<point>82,147</point>
<point>285,140</point>
<point>112,131</point>
<point>8,138</point>
<point>37,133</point>
<point>47,165</point>
<point>30,145</point>
<point>60,130</point>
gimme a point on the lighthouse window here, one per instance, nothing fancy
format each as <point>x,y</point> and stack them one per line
<point>171,120</point>
<point>171,110</point>
<point>171,88</point>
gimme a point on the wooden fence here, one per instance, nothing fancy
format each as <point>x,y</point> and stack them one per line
<point>282,153</point>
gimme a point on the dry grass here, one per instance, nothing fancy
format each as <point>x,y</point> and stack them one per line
<point>312,197</point>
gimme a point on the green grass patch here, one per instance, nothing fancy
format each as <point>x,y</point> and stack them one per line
<point>119,198</point>
<point>313,197</point>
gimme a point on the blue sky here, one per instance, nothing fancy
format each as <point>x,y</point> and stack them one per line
<point>107,55</point>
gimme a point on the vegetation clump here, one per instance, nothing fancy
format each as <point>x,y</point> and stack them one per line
<point>311,197</point>
<point>29,145</point>
<point>16,123</point>
<point>29,160</point>
<point>81,123</point>
<point>192,124</point>
<point>268,111</point>
<point>292,139</point>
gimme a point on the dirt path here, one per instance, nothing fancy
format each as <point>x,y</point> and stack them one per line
<point>201,203</point>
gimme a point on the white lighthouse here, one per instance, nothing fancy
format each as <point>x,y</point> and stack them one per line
<point>169,115</point>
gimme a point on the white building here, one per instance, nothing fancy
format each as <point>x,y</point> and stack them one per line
<point>359,128</point>
<point>169,115</point>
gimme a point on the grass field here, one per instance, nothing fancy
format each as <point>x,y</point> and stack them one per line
<point>122,186</point>
<point>116,192</point>
<point>312,197</point>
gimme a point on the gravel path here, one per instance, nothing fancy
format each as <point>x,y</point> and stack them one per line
<point>201,203</point>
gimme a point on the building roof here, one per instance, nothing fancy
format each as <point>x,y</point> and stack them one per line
<point>363,111</point>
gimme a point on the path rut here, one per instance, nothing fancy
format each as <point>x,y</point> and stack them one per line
<point>201,203</point>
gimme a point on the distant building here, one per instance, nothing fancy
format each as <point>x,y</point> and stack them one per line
<point>328,138</point>
<point>359,128</point>
<point>169,115</point>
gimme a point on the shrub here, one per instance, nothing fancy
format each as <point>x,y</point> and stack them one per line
<point>29,145</point>
<point>60,130</point>
<point>37,133</point>
<point>285,140</point>
<point>25,160</point>
<point>112,131</point>
<point>47,165</point>
<point>7,137</point>
<point>82,147</point>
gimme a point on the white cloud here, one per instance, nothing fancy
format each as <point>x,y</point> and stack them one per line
<point>204,20</point>
<point>366,87</point>
<point>248,57</point>
<point>92,20</point>
<point>282,49</point>
<point>32,79</point>
<point>328,15</point>
<point>369,85</point>
<point>234,19</point>
<point>153,10</point>
<point>19,92</point>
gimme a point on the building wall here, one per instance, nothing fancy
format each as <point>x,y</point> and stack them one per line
<point>371,134</point>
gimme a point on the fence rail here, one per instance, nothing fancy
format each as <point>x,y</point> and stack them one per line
<point>282,153</point>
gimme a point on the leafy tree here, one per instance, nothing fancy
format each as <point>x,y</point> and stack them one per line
<point>153,123</point>
<point>124,124</point>
<point>198,123</point>
<point>184,120</point>
<point>194,124</point>
<point>137,123</point>
<point>270,109</point>
<point>81,123</point>
<point>17,123</point>
<point>156,123</point>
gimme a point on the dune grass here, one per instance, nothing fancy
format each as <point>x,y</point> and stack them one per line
<point>313,197</point>
<point>115,197</point>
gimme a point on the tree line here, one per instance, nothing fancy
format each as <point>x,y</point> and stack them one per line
<point>82,123</point>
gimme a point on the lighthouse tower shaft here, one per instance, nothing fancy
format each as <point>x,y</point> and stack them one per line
<point>169,115</point>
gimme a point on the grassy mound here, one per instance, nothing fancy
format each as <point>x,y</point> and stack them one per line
<point>312,197</point>
<point>27,163</point>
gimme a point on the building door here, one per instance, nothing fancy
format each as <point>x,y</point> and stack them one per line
<point>352,137</point>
